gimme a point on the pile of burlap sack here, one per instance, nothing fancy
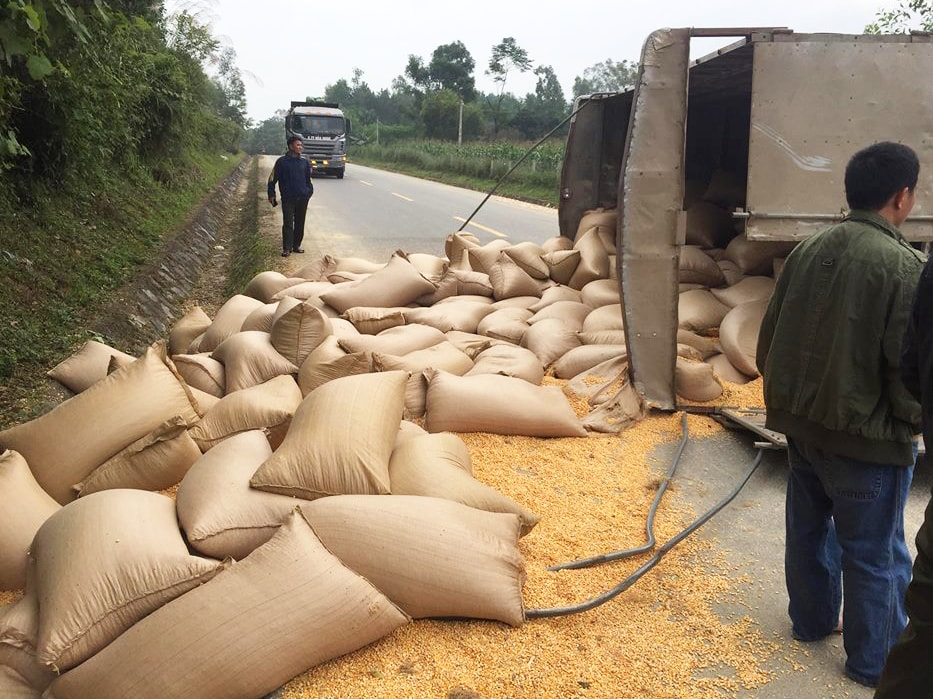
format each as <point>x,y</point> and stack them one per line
<point>323,496</point>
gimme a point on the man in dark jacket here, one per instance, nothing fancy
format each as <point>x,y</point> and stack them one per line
<point>293,174</point>
<point>908,671</point>
<point>830,351</point>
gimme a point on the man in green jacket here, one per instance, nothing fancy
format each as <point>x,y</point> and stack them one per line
<point>829,351</point>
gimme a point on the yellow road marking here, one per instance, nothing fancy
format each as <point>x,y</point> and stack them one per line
<point>482,228</point>
<point>401,196</point>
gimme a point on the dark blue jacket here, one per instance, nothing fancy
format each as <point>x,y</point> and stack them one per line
<point>293,173</point>
<point>917,358</point>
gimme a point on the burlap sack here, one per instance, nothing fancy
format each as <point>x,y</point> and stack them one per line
<point>704,345</point>
<point>340,439</point>
<point>475,298</point>
<point>14,686</point>
<point>561,264</point>
<point>695,381</point>
<point>551,339</point>
<point>749,289</point>
<point>708,225</point>
<point>397,284</point>
<point>249,359</point>
<point>265,285</point>
<point>431,267</point>
<point>24,506</point>
<point>724,370</point>
<point>510,280</point>
<point>19,628</point>
<point>398,341</point>
<point>289,606</point>
<point>508,360</point>
<point>202,401</point>
<point>219,513</point>
<point>584,357</point>
<point>304,291</point>
<point>407,430</point>
<point>731,272</point>
<point>603,337</point>
<point>515,302</point>
<point>328,362</point>
<point>473,283</point>
<point>556,243</point>
<point>600,292</point>
<point>440,356</point>
<point>456,244</point>
<point>372,321</point>
<point>604,318</point>
<point>102,564</point>
<point>344,328</point>
<point>202,372</point>
<point>63,446</point>
<point>456,315</point>
<point>553,294</point>
<point>267,406</point>
<point>338,277</point>
<point>696,267</point>
<point>485,257</point>
<point>497,404</point>
<point>699,310</point>
<point>298,329</point>
<point>756,256</point>
<point>87,366</point>
<point>447,286</point>
<point>425,466</point>
<point>507,324</point>
<point>528,257</point>
<point>594,260</point>
<point>432,557</point>
<point>229,320</point>
<point>738,335</point>
<point>571,313</point>
<point>317,269</point>
<point>154,462</point>
<point>429,448</point>
<point>187,329</point>
<point>261,318</point>
<point>599,217</point>
<point>470,344</point>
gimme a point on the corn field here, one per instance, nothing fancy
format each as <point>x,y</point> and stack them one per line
<point>477,161</point>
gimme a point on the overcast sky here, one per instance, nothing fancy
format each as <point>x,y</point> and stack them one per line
<point>290,50</point>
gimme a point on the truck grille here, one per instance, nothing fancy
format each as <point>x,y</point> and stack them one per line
<point>312,148</point>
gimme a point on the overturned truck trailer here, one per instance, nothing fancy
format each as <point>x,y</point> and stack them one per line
<point>769,121</point>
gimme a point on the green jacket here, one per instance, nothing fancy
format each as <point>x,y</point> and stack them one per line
<point>830,343</point>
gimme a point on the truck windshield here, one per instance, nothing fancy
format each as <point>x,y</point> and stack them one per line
<point>318,125</point>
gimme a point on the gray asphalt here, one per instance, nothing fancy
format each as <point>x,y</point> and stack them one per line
<point>750,530</point>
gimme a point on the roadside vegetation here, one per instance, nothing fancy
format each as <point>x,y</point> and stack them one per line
<point>111,133</point>
<point>474,165</point>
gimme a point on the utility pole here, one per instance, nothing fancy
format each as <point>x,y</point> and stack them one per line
<point>460,125</point>
<point>377,131</point>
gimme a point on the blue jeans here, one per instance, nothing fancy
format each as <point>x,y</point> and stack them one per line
<point>845,536</point>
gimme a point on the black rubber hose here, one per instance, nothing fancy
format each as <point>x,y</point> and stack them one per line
<point>649,525</point>
<point>650,563</point>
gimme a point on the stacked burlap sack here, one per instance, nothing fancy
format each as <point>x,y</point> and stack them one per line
<point>323,496</point>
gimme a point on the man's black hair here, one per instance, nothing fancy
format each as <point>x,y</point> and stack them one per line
<point>877,173</point>
<point>291,139</point>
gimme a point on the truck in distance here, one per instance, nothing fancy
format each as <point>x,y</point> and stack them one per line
<point>323,129</point>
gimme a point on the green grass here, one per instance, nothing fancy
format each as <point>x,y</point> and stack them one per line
<point>474,166</point>
<point>64,250</point>
<point>250,253</point>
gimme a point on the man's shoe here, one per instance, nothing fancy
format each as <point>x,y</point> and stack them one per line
<point>285,253</point>
<point>298,249</point>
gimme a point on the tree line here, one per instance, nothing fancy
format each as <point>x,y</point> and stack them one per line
<point>437,98</point>
<point>111,84</point>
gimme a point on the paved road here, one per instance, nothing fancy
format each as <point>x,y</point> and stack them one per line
<point>372,213</point>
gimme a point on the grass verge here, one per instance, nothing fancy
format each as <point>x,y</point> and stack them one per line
<point>64,251</point>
